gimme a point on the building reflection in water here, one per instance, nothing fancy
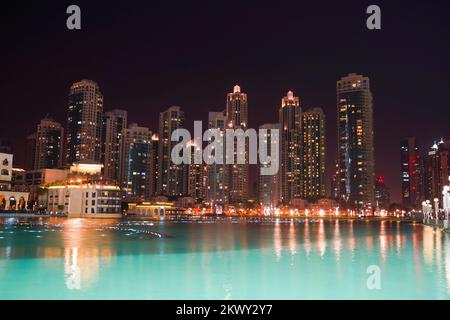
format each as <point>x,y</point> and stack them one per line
<point>306,239</point>
<point>277,244</point>
<point>428,245</point>
<point>351,239</point>
<point>383,241</point>
<point>321,240</point>
<point>447,267</point>
<point>292,238</point>
<point>72,272</point>
<point>83,254</point>
<point>369,239</point>
<point>85,247</point>
<point>337,243</point>
<point>416,238</point>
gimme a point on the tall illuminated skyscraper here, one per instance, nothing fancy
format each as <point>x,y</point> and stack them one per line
<point>313,155</point>
<point>237,118</point>
<point>269,185</point>
<point>436,170</point>
<point>84,122</point>
<point>196,173</point>
<point>135,162</point>
<point>154,170</point>
<point>113,123</point>
<point>291,152</point>
<point>410,161</point>
<point>172,177</point>
<point>355,142</point>
<point>217,182</point>
<point>49,145</point>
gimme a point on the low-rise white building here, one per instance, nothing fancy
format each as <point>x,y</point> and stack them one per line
<point>6,167</point>
<point>85,200</point>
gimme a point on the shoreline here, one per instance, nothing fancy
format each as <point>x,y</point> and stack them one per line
<point>218,218</point>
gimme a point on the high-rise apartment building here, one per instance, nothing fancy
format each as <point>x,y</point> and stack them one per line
<point>49,145</point>
<point>382,195</point>
<point>217,178</point>
<point>113,123</point>
<point>313,155</point>
<point>269,185</point>
<point>291,151</point>
<point>410,161</point>
<point>84,122</point>
<point>135,162</point>
<point>196,173</point>
<point>436,170</point>
<point>154,169</point>
<point>237,118</point>
<point>172,177</point>
<point>355,142</point>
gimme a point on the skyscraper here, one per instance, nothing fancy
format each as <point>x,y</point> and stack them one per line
<point>313,155</point>
<point>113,123</point>
<point>382,195</point>
<point>217,181</point>
<point>196,172</point>
<point>172,177</point>
<point>334,187</point>
<point>291,152</point>
<point>269,185</point>
<point>49,145</point>
<point>135,162</point>
<point>355,142</point>
<point>84,122</point>
<point>436,170</point>
<point>237,118</point>
<point>409,158</point>
<point>154,169</point>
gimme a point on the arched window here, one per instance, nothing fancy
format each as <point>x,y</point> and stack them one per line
<point>5,162</point>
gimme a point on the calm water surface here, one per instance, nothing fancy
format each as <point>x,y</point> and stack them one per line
<point>98,259</point>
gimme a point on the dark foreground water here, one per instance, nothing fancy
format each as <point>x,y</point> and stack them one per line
<point>98,259</point>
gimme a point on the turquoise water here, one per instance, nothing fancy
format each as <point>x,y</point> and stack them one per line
<point>317,259</point>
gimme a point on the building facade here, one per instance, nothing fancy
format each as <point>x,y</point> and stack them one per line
<point>85,200</point>
<point>238,174</point>
<point>84,122</point>
<point>291,151</point>
<point>382,195</point>
<point>436,170</point>
<point>49,145</point>
<point>313,155</point>
<point>135,162</point>
<point>269,185</point>
<point>196,175</point>
<point>410,162</point>
<point>6,171</point>
<point>154,162</point>
<point>355,142</point>
<point>217,174</point>
<point>113,123</point>
<point>172,177</point>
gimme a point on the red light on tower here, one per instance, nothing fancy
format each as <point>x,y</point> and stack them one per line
<point>380,180</point>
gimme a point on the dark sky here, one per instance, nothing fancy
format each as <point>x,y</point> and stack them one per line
<point>149,55</point>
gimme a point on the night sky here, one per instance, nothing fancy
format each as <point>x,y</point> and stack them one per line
<point>148,55</point>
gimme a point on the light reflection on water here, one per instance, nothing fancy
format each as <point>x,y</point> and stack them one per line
<point>325,259</point>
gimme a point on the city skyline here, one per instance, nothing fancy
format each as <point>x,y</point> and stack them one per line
<point>110,119</point>
<point>177,67</point>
